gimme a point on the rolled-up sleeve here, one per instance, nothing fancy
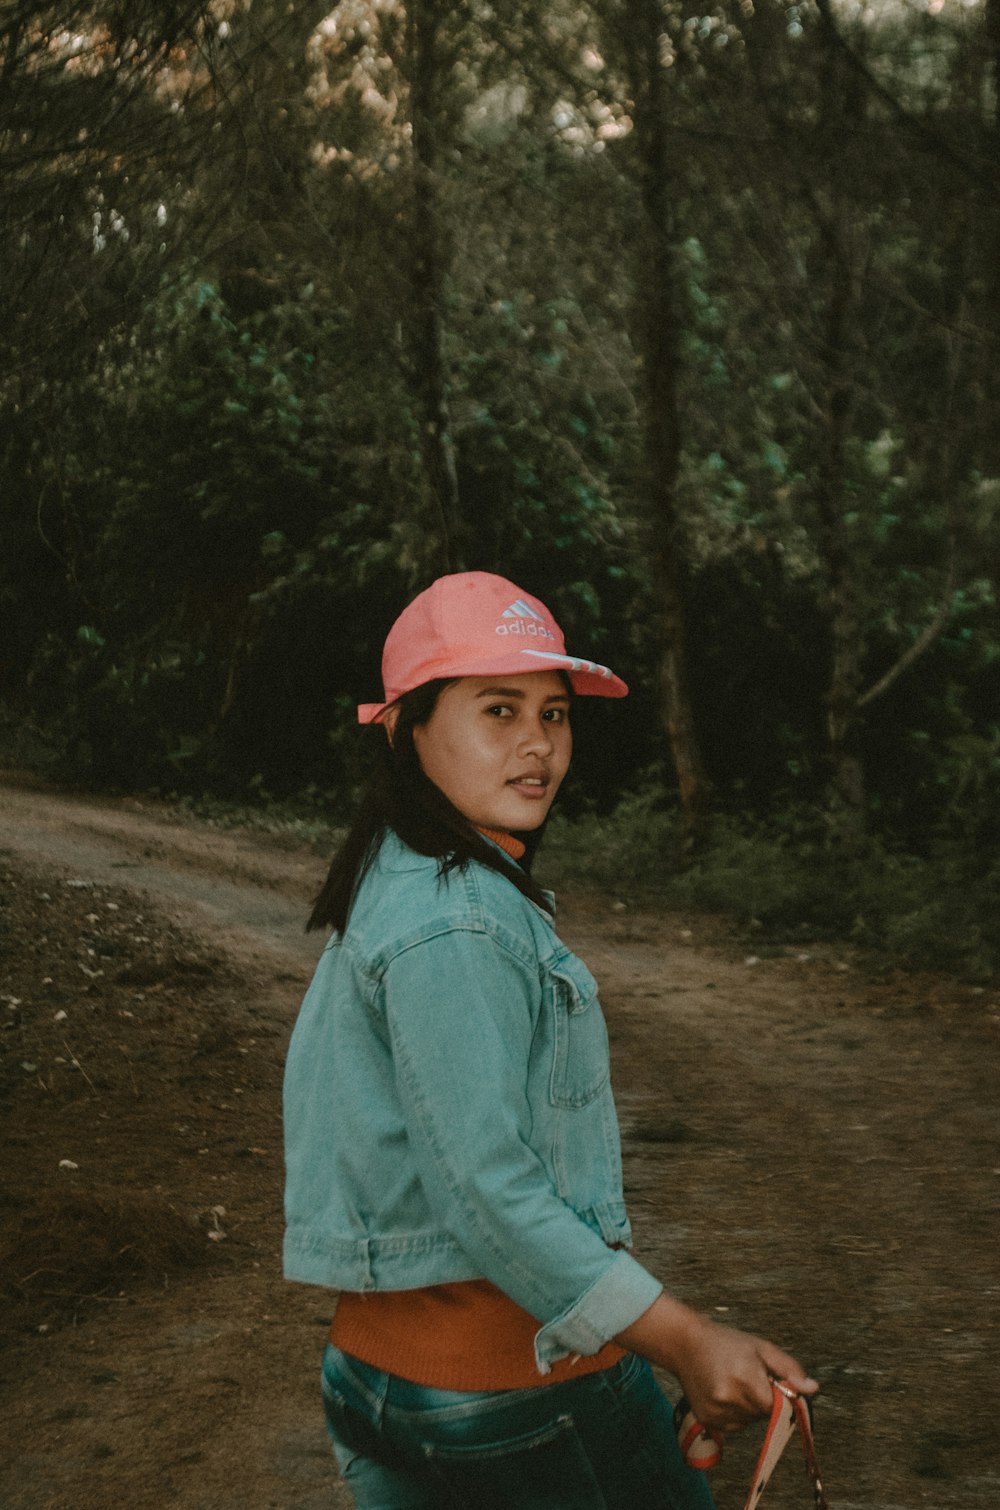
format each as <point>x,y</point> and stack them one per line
<point>459,1013</point>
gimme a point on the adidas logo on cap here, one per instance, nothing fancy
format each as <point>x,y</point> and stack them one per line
<point>520,610</point>
<point>525,620</point>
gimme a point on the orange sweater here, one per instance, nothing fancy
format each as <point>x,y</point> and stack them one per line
<point>468,1336</point>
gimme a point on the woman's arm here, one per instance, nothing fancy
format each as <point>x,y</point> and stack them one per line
<point>460,1024</point>
<point>724,1372</point>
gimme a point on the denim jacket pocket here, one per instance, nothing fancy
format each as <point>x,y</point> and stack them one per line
<point>580,1068</point>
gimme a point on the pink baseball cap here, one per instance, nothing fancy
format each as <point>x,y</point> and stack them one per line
<point>476,624</point>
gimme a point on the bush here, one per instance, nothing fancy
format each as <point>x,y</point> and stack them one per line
<point>127,721</point>
<point>790,877</point>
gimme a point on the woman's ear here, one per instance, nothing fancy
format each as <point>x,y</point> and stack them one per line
<point>389,721</point>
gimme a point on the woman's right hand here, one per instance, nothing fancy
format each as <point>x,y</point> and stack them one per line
<point>725,1373</point>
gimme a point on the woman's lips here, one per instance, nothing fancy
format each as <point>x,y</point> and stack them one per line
<point>531,786</point>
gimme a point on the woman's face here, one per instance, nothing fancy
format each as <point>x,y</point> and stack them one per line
<point>499,746</point>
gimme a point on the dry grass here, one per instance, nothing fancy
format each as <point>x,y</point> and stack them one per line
<point>68,1246</point>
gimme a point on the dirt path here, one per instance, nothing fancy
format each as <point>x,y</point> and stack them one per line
<point>809,1153</point>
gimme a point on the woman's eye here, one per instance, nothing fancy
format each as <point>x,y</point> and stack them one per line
<point>556,715</point>
<point>500,710</point>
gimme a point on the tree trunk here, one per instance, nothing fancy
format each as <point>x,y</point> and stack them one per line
<point>843,608</point>
<point>427,279</point>
<point>657,322</point>
<point>841,104</point>
<point>991,417</point>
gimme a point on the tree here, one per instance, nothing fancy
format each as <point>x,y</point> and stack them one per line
<point>869,453</point>
<point>605,66</point>
<point>89,92</point>
<point>658,316</point>
<point>92,121</point>
<point>428,60</point>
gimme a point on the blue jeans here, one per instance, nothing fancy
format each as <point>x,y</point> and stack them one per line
<point>602,1442</point>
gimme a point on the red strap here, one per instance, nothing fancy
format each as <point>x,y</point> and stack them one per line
<point>789,1411</point>
<point>700,1447</point>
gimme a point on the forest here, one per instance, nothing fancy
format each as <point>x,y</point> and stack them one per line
<point>685,317</point>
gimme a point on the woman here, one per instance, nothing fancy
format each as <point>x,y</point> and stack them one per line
<point>452,1146</point>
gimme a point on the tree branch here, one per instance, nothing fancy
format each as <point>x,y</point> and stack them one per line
<point>979,171</point>
<point>919,646</point>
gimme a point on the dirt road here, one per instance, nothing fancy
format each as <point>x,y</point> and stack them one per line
<point>809,1153</point>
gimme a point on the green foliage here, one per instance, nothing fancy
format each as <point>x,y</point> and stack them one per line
<point>787,880</point>
<point>125,720</point>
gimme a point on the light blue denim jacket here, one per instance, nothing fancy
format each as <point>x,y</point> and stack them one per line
<point>448,1109</point>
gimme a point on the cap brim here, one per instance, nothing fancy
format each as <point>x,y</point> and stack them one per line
<point>371,713</point>
<point>588,678</point>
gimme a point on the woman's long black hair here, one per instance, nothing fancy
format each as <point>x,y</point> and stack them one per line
<point>400,797</point>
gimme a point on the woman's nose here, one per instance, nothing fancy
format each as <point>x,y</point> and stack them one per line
<point>537,740</point>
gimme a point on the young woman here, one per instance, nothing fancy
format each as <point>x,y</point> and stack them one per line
<point>453,1162</point>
